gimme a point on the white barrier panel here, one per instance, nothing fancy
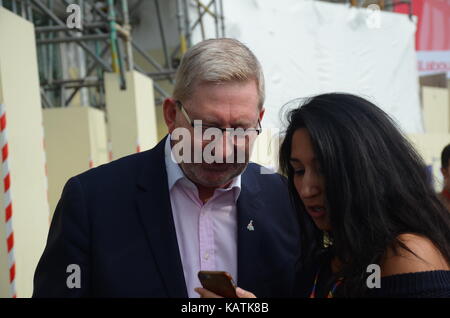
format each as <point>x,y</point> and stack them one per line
<point>75,141</point>
<point>19,93</point>
<point>131,117</point>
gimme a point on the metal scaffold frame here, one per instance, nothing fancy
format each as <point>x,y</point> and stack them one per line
<point>106,44</point>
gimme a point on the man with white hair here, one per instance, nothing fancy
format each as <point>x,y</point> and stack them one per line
<point>144,225</point>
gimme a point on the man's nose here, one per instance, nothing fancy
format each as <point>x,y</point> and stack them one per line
<point>227,146</point>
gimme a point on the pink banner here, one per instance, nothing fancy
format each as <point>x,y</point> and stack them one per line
<point>432,35</point>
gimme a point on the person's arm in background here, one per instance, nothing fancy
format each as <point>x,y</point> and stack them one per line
<point>67,248</point>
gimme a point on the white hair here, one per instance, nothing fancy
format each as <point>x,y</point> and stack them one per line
<point>218,60</point>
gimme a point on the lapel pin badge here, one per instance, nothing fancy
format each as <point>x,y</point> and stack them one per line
<point>250,226</point>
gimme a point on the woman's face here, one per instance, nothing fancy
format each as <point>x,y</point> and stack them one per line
<point>308,179</point>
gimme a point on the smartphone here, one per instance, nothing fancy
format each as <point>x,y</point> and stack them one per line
<point>219,282</point>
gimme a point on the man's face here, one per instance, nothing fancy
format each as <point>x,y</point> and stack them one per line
<point>221,105</point>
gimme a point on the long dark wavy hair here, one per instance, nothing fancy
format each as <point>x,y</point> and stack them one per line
<point>376,185</point>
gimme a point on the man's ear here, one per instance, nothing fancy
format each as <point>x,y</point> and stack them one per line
<point>170,113</point>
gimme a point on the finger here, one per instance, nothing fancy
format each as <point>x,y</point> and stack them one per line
<point>204,293</point>
<point>241,293</point>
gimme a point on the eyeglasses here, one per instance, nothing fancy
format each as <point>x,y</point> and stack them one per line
<point>251,131</point>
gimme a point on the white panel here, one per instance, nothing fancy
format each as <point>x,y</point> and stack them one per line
<point>145,111</point>
<point>75,140</point>
<point>131,114</point>
<point>19,91</point>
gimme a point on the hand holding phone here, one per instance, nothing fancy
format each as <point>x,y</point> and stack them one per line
<point>219,282</point>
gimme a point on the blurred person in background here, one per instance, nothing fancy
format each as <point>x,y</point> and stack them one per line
<point>144,225</point>
<point>365,190</point>
<point>445,163</point>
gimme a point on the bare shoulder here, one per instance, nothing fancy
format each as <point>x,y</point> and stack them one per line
<point>427,257</point>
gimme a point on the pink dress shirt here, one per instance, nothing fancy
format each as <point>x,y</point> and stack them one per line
<point>206,233</point>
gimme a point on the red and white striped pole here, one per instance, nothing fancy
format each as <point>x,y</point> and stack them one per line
<point>7,202</point>
<point>138,146</point>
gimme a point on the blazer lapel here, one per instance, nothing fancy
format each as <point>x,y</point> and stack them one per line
<point>249,238</point>
<point>155,211</point>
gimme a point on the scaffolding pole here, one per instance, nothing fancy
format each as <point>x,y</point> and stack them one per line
<point>107,22</point>
<point>58,21</point>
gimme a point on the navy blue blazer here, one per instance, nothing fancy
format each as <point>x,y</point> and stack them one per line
<point>115,222</point>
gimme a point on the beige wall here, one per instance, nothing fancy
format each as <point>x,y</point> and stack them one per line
<point>73,136</point>
<point>430,147</point>
<point>436,111</point>
<point>436,117</point>
<point>19,92</point>
<point>131,116</point>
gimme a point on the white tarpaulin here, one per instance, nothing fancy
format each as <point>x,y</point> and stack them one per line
<point>311,47</point>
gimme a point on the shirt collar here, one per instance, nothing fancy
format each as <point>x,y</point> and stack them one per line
<point>174,173</point>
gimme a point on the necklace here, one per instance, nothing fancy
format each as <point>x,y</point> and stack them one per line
<point>330,293</point>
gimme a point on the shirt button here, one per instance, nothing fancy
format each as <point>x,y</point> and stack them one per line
<point>206,256</point>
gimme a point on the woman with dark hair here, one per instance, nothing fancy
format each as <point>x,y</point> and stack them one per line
<point>364,198</point>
